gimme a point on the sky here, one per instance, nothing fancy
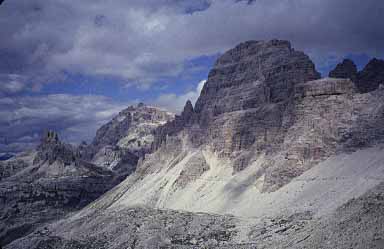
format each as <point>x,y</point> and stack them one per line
<point>72,65</point>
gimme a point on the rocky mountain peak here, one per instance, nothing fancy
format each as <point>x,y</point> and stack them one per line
<point>266,98</point>
<point>187,112</point>
<point>366,80</point>
<point>249,48</point>
<point>252,74</point>
<point>121,142</point>
<point>51,149</point>
<point>371,76</point>
<point>127,120</point>
<point>345,70</point>
<point>49,137</point>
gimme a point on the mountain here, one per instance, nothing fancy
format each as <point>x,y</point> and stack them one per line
<point>45,185</point>
<point>371,76</point>
<point>345,70</point>
<point>366,80</point>
<point>57,178</point>
<point>120,143</point>
<point>250,135</point>
<point>270,156</point>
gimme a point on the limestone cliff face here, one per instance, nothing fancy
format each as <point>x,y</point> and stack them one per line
<point>247,101</point>
<point>253,74</point>
<point>263,111</point>
<point>185,119</point>
<point>245,96</point>
<point>120,143</point>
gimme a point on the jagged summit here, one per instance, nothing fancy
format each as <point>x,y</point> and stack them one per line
<point>249,48</point>
<point>188,112</point>
<point>50,136</point>
<point>252,74</point>
<point>366,80</point>
<point>371,76</point>
<point>51,149</point>
<point>141,118</point>
<point>346,70</point>
<point>121,142</point>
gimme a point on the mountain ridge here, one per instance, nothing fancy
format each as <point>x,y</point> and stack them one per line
<point>273,155</point>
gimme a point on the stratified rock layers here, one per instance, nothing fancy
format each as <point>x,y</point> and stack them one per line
<point>264,111</point>
<point>120,143</point>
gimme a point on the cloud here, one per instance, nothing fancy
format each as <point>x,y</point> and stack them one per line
<point>140,42</point>
<point>11,84</point>
<point>76,118</point>
<point>175,103</point>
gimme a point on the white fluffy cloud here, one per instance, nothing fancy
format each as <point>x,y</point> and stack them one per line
<point>175,103</point>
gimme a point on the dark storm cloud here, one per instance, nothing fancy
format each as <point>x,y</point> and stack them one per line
<point>43,38</point>
<point>142,41</point>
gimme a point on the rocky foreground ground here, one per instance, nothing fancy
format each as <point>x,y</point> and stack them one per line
<point>357,224</point>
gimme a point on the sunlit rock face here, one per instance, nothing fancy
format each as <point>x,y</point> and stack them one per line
<point>249,126</point>
<point>120,143</point>
<point>254,75</point>
<point>246,105</point>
